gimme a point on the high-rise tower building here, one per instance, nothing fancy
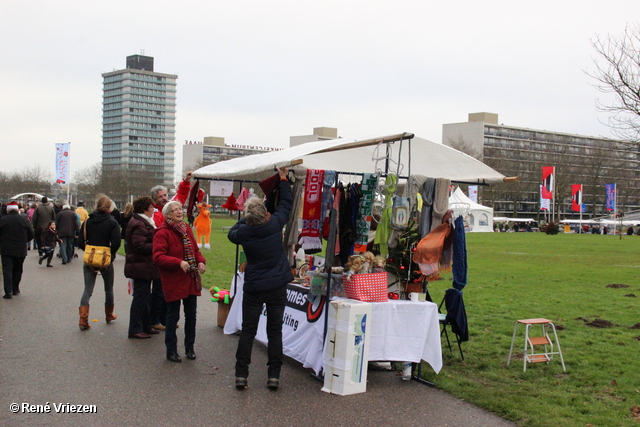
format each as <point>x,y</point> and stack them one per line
<point>139,121</point>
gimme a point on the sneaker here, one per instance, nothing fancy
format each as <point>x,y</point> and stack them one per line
<point>273,383</point>
<point>241,383</point>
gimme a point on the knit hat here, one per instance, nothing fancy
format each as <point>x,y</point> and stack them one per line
<point>12,206</point>
<point>230,204</point>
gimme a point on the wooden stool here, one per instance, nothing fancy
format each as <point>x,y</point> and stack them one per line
<point>530,354</point>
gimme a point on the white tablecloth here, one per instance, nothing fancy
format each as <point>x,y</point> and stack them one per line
<point>400,330</point>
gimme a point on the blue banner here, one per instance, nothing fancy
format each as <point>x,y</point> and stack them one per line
<point>611,196</point>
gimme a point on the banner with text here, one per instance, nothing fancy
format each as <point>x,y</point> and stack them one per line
<point>62,163</point>
<point>611,196</point>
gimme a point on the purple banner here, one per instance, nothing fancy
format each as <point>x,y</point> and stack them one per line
<point>611,196</point>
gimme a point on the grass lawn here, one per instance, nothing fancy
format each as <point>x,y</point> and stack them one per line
<point>563,278</point>
<point>525,275</point>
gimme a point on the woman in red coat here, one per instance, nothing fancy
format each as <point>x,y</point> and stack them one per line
<point>180,262</point>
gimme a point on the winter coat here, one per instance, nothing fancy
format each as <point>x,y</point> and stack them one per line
<point>267,265</point>
<point>42,216</point>
<point>67,223</point>
<point>102,230</point>
<point>168,253</point>
<point>139,261</point>
<point>82,213</point>
<point>15,232</point>
<point>49,239</point>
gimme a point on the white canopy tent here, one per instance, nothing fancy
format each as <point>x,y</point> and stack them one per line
<point>358,156</point>
<point>478,217</point>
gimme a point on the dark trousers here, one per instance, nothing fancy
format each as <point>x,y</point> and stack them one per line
<point>37,233</point>
<point>139,313</point>
<point>157,306</point>
<point>190,305</point>
<point>66,248</point>
<point>12,273</point>
<point>252,306</point>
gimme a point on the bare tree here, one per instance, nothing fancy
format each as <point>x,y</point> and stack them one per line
<point>461,144</point>
<point>618,71</point>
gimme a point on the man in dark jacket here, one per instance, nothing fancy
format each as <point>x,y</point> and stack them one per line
<point>15,232</point>
<point>67,224</point>
<point>42,217</point>
<point>265,279</point>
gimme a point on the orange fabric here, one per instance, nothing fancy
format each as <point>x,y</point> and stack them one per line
<point>433,252</point>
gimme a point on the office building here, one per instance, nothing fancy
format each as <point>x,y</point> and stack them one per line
<point>578,159</point>
<point>139,121</point>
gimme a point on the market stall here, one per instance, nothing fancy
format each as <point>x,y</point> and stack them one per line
<point>393,170</point>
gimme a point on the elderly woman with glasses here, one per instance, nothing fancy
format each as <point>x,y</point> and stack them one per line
<point>180,262</point>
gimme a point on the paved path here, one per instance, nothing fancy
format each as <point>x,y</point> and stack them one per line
<point>46,359</point>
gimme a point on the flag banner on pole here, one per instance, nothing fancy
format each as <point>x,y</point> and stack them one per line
<point>584,207</point>
<point>545,204</point>
<point>473,193</point>
<point>548,177</point>
<point>576,197</point>
<point>62,163</point>
<point>611,196</point>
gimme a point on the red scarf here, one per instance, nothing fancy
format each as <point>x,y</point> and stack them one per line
<point>312,210</point>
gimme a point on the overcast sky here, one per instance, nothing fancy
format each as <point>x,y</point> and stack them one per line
<point>257,72</point>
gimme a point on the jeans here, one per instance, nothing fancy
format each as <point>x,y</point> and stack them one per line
<point>252,304</point>
<point>90,282</point>
<point>190,304</point>
<point>139,313</point>
<point>157,306</point>
<point>12,273</point>
<point>66,248</point>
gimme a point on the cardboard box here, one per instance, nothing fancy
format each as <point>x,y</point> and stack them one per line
<point>347,347</point>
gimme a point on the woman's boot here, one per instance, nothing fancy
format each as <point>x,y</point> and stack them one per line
<point>84,317</point>
<point>108,310</point>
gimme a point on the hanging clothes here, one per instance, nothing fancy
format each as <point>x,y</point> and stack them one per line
<point>440,201</point>
<point>365,209</point>
<point>327,202</point>
<point>384,227</point>
<point>427,192</point>
<point>311,212</point>
<point>434,252</point>
<point>459,267</point>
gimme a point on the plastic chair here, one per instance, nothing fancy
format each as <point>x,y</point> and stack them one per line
<point>455,318</point>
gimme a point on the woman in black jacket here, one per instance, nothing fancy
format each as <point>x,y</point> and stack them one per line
<point>139,265</point>
<point>100,229</point>
<point>265,280</point>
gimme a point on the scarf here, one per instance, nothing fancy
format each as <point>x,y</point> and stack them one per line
<point>433,253</point>
<point>149,220</point>
<point>327,202</point>
<point>311,211</point>
<point>242,198</point>
<point>384,227</point>
<point>426,193</point>
<point>291,231</point>
<point>459,268</point>
<point>440,201</point>
<point>365,208</point>
<point>189,256</point>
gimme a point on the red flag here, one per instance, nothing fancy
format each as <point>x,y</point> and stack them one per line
<point>548,178</point>
<point>576,197</point>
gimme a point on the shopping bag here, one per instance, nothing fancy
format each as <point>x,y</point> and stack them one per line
<point>371,287</point>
